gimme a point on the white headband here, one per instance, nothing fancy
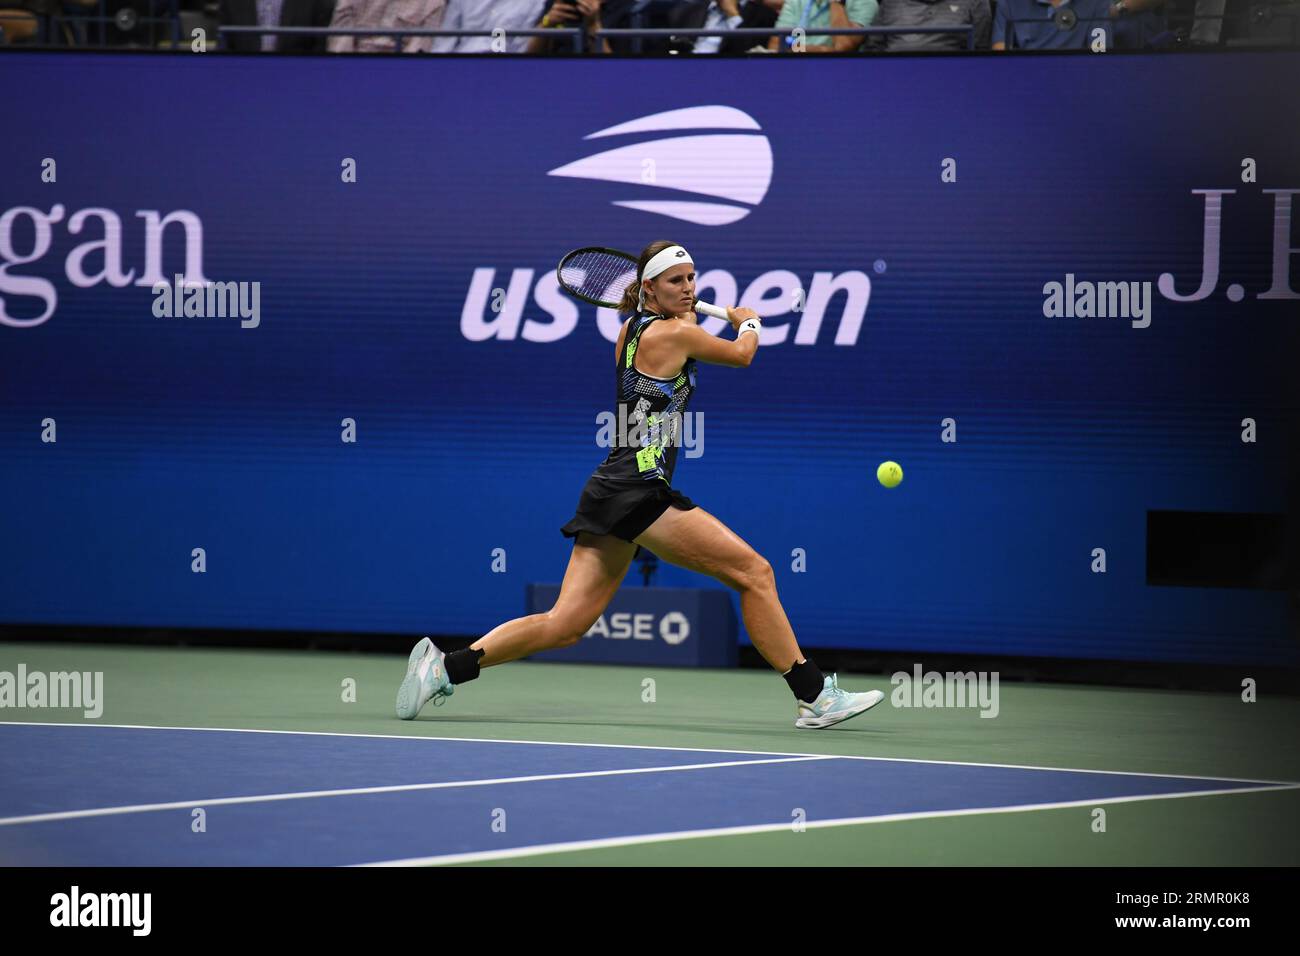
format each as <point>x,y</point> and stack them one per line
<point>661,262</point>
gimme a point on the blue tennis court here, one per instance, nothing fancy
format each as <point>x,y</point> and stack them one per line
<point>115,795</point>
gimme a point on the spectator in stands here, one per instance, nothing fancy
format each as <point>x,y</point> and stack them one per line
<point>276,13</point>
<point>18,19</point>
<point>592,15</point>
<point>56,22</point>
<point>1051,24</point>
<point>385,15</point>
<point>931,13</point>
<point>1138,22</point>
<point>1207,27</point>
<point>507,15</point>
<point>722,15</point>
<point>836,14</point>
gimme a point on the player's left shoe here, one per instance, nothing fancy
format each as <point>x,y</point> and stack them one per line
<point>834,705</point>
<point>426,679</point>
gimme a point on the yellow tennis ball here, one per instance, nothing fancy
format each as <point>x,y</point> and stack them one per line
<point>889,474</point>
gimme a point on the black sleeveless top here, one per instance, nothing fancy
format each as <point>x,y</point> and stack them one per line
<point>650,411</point>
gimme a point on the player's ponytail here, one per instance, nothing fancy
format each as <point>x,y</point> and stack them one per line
<point>628,303</point>
<point>633,291</point>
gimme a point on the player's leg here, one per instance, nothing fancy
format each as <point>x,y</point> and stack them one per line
<point>698,541</point>
<point>596,569</point>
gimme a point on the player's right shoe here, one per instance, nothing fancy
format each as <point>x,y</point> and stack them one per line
<point>426,679</point>
<point>834,705</point>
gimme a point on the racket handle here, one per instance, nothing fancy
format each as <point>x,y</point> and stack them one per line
<point>714,310</point>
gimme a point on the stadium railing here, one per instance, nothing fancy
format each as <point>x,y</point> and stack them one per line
<point>167,20</point>
<point>573,33</point>
<point>763,32</point>
<point>577,32</point>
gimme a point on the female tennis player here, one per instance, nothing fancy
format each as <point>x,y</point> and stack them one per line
<point>629,502</point>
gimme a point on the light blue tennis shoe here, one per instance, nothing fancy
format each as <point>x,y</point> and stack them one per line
<point>426,679</point>
<point>834,705</point>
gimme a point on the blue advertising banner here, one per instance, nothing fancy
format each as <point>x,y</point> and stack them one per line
<point>1061,292</point>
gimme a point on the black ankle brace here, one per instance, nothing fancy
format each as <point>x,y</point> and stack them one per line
<point>462,665</point>
<point>805,681</point>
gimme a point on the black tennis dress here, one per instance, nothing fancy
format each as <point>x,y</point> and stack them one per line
<point>632,487</point>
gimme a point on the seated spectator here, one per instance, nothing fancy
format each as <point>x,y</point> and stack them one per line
<point>835,14</point>
<point>1207,26</point>
<point>1051,24</point>
<point>18,20</point>
<point>276,13</point>
<point>385,15</point>
<point>722,15</point>
<point>592,15</point>
<point>508,15</point>
<point>1138,22</point>
<point>55,22</point>
<point>932,13</point>
<point>74,23</point>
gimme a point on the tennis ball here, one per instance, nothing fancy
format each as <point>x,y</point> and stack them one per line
<point>889,474</point>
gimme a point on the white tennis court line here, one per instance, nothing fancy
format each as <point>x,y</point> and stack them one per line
<point>702,750</point>
<point>359,791</point>
<point>575,845</point>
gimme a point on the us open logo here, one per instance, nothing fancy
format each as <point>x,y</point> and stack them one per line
<point>691,163</point>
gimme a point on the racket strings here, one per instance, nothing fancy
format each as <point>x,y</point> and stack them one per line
<point>598,275</point>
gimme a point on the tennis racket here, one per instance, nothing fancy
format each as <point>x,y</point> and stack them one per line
<point>599,276</point>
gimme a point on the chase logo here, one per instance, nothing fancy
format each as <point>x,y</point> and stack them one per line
<point>735,167</point>
<point>674,627</point>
